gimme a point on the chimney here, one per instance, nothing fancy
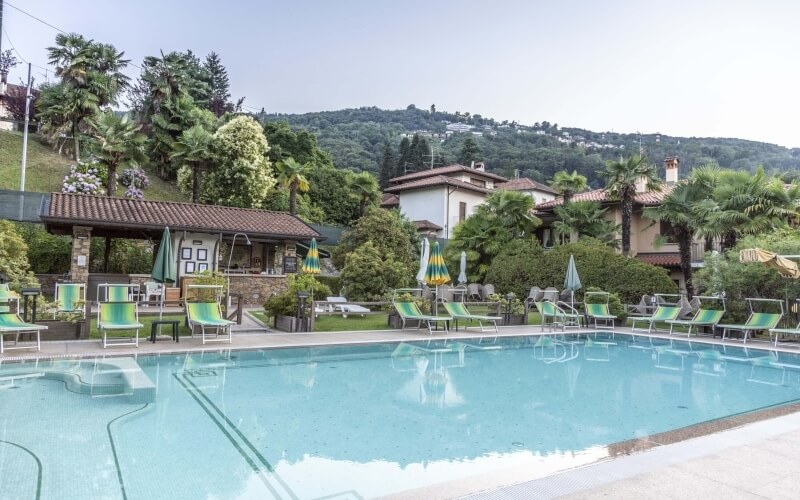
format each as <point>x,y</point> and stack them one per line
<point>478,166</point>
<point>641,185</point>
<point>3,81</point>
<point>472,165</point>
<point>671,164</point>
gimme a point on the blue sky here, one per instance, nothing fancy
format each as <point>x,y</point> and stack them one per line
<point>702,68</point>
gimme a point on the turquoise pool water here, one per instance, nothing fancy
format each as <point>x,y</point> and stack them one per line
<point>358,422</point>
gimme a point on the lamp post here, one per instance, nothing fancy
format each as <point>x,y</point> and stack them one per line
<point>230,256</point>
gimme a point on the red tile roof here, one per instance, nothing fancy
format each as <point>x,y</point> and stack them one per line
<point>526,184</point>
<point>390,200</point>
<point>648,198</point>
<point>445,170</point>
<point>123,213</point>
<point>439,180</point>
<point>672,259</point>
<point>426,224</point>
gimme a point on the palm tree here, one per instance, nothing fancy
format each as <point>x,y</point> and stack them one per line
<point>568,184</point>
<point>290,176</point>
<point>194,147</point>
<point>585,219</point>
<point>118,144</point>
<point>91,77</point>
<point>512,210</point>
<point>621,179</point>
<point>680,209</point>
<point>364,187</point>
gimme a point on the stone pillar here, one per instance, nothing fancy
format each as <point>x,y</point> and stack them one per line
<point>81,243</point>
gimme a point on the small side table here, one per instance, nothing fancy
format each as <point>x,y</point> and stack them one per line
<point>154,328</point>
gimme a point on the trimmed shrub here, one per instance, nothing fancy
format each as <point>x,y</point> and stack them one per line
<point>521,266</point>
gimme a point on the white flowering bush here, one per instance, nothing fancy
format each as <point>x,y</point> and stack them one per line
<point>84,178</point>
<point>136,181</point>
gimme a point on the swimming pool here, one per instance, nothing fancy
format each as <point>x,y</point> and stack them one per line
<point>359,421</point>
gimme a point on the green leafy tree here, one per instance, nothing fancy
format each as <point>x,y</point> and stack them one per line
<point>13,255</point>
<point>364,187</point>
<point>504,217</point>
<point>331,194</point>
<point>418,152</point>
<point>291,176</point>
<point>194,149</point>
<point>285,142</point>
<point>368,275</point>
<point>90,78</point>
<point>118,144</point>
<point>278,201</point>
<point>242,175</point>
<point>469,152</point>
<point>621,178</point>
<point>393,235</point>
<point>569,184</point>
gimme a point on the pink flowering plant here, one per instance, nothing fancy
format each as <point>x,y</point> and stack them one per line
<point>136,181</point>
<point>84,178</point>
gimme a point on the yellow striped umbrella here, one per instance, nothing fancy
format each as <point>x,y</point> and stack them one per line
<point>436,274</point>
<point>311,262</point>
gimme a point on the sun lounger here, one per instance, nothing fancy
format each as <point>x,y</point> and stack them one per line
<point>757,320</point>
<point>779,332</point>
<point>70,298</point>
<point>118,316</point>
<point>703,317</point>
<point>11,323</point>
<point>459,311</point>
<point>410,311</point>
<point>599,311</point>
<point>554,315</point>
<point>208,315</point>
<point>662,313</point>
<point>341,304</point>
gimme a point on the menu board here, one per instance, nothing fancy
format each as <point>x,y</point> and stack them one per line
<point>289,264</point>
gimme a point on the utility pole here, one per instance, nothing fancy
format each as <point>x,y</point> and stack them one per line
<point>25,132</point>
<point>1,26</point>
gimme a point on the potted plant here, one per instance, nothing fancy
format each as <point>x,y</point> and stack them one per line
<point>510,308</point>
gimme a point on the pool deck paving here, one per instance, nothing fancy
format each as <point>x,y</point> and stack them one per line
<point>745,456</point>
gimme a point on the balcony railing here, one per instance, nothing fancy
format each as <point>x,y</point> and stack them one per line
<point>699,251</point>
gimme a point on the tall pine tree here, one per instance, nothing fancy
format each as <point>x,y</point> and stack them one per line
<point>388,165</point>
<point>218,102</point>
<point>418,153</point>
<point>403,160</point>
<point>469,152</point>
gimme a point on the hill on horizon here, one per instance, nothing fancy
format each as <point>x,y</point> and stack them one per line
<point>355,139</point>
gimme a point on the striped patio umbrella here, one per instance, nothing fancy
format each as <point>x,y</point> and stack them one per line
<point>311,262</point>
<point>436,274</point>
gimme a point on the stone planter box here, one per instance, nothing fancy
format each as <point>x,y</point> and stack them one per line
<point>62,330</point>
<point>394,321</point>
<point>289,324</point>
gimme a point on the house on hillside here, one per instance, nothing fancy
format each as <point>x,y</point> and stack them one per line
<point>438,199</point>
<point>538,191</point>
<point>12,106</point>
<point>643,231</point>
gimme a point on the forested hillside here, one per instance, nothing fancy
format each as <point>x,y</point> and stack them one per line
<point>358,138</point>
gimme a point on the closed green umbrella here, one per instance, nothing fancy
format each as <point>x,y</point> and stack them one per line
<point>164,266</point>
<point>311,262</point>
<point>436,274</point>
<point>572,281</point>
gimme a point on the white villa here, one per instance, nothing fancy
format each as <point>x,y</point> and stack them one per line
<point>438,199</point>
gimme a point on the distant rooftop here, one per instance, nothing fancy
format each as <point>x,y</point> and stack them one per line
<point>437,180</point>
<point>451,169</point>
<point>526,184</point>
<point>647,198</point>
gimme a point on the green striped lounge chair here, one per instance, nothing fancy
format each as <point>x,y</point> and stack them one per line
<point>6,297</point>
<point>118,317</point>
<point>703,317</point>
<point>553,315</point>
<point>599,312</point>
<point>11,323</point>
<point>661,314</point>
<point>459,311</point>
<point>117,293</point>
<point>69,298</point>
<point>782,332</point>
<point>756,322</point>
<point>208,315</point>
<point>409,311</point>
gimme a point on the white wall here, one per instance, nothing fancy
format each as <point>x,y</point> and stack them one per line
<point>425,204</point>
<point>207,243</point>
<point>471,198</point>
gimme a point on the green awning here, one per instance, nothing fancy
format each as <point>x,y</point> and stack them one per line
<point>302,251</point>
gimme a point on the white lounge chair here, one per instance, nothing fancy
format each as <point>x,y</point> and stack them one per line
<point>341,304</point>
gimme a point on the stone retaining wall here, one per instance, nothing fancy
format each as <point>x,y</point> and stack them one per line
<point>256,289</point>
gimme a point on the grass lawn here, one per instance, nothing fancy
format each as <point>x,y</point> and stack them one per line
<point>336,323</point>
<point>147,321</point>
<point>46,169</point>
